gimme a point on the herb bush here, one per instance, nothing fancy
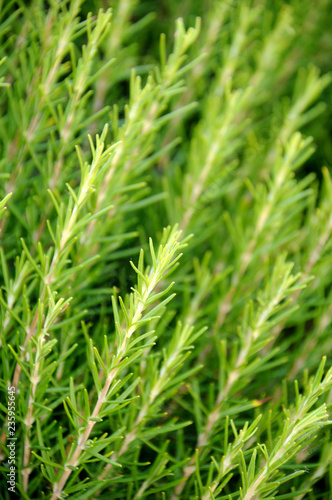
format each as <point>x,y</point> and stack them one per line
<point>190,362</point>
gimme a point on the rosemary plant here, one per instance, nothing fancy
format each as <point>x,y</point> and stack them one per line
<point>130,132</point>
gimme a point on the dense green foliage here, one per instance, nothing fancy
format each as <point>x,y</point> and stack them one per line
<point>165,244</point>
